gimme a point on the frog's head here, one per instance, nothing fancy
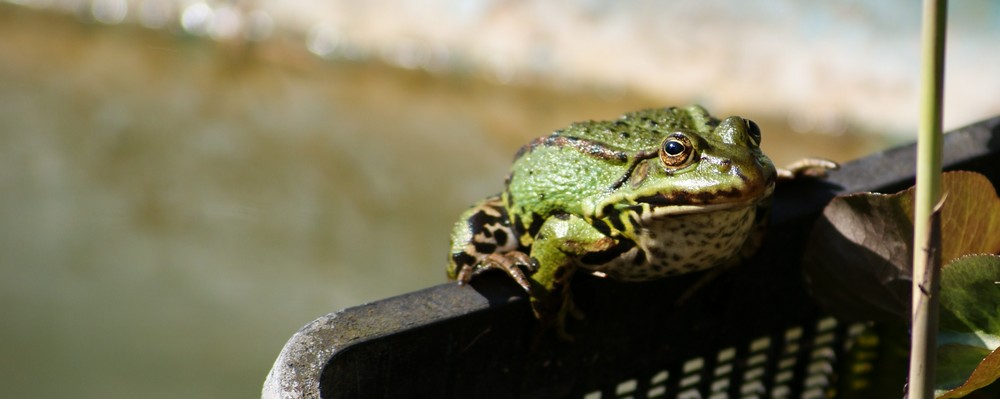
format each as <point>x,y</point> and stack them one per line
<point>699,164</point>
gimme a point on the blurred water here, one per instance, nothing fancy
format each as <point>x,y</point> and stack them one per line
<point>172,208</point>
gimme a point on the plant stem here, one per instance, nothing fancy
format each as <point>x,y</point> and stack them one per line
<point>926,229</point>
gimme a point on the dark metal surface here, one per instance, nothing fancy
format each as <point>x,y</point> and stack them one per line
<point>637,339</point>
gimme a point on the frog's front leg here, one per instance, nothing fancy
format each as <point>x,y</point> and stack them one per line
<point>563,243</point>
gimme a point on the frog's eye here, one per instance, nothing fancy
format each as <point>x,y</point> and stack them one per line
<point>753,130</point>
<point>677,151</point>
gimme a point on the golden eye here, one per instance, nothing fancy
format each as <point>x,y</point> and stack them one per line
<point>677,151</point>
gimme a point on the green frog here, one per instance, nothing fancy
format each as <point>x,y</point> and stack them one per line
<point>656,193</point>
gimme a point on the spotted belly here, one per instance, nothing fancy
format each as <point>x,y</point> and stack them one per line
<point>678,244</point>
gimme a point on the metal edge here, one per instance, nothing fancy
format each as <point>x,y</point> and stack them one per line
<point>298,368</point>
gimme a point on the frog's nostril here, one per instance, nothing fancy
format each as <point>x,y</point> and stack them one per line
<point>725,165</point>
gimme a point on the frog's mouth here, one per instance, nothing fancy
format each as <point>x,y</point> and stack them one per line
<point>662,204</point>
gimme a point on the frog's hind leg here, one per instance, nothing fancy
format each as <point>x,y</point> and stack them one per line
<point>483,239</point>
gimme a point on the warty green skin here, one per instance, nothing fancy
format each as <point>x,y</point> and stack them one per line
<point>609,198</point>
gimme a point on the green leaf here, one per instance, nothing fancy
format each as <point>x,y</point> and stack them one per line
<point>969,336</point>
<point>952,364</point>
<point>970,294</point>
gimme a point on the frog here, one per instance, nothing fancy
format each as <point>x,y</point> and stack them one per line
<point>655,193</point>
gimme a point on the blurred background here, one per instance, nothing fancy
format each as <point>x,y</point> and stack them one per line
<point>183,184</point>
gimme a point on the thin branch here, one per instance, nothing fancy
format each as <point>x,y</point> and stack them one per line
<point>927,223</point>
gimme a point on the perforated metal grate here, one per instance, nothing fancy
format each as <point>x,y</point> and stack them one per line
<point>798,362</point>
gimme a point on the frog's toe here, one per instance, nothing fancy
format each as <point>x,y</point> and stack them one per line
<point>560,322</point>
<point>513,263</point>
<point>562,334</point>
<point>465,275</point>
<point>557,324</point>
<point>816,168</point>
<point>554,315</point>
<point>570,308</point>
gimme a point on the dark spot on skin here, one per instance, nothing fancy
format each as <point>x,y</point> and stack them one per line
<point>676,258</point>
<point>484,247</point>
<point>608,210</point>
<point>536,225</point>
<point>636,161</point>
<point>501,237</point>
<point>616,223</point>
<point>561,216</point>
<point>640,258</point>
<point>589,147</point>
<point>605,256</point>
<point>461,259</point>
<point>481,218</point>
<point>633,220</point>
